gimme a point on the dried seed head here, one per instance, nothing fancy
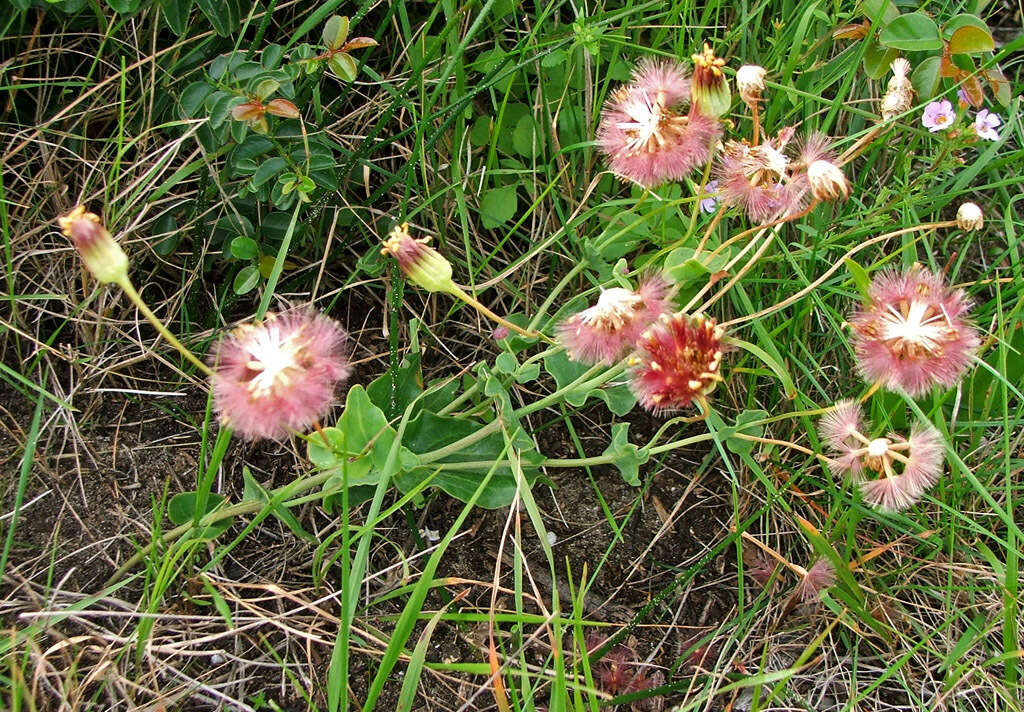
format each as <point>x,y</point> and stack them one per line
<point>102,256</point>
<point>969,217</point>
<point>899,94</point>
<point>750,83</point>
<point>422,265</point>
<point>827,180</point>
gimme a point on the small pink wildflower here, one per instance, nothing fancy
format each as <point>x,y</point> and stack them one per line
<point>938,115</point>
<point>906,467</point>
<point>644,138</point>
<point>678,361</point>
<point>499,333</point>
<point>278,376</point>
<point>604,332</point>
<point>815,580</point>
<point>985,125</point>
<point>912,335</point>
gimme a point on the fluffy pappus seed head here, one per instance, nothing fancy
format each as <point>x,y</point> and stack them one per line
<point>710,93</point>
<point>899,93</point>
<point>758,179</point>
<point>827,181</point>
<point>750,83</point>
<point>604,332</point>
<point>903,468</point>
<point>678,360</point>
<point>815,580</point>
<point>644,137</point>
<point>422,264</point>
<point>912,335</point>
<point>969,217</point>
<point>100,253</point>
<point>278,376</point>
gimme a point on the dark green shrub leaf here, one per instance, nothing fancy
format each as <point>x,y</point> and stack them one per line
<point>877,59</point>
<point>267,170</point>
<point>926,77</point>
<point>244,248</point>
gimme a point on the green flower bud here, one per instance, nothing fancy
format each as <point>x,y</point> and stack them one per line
<point>709,92</point>
<point>423,265</point>
<point>100,253</point>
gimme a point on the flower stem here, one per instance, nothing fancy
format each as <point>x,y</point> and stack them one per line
<point>152,318</point>
<point>475,303</point>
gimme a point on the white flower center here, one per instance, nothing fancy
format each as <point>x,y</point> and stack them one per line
<point>915,329</point>
<point>614,309</point>
<point>274,359</point>
<point>878,447</point>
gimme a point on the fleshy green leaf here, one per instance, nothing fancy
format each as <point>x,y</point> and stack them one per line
<point>913,32</point>
<point>971,40</point>
<point>343,65</point>
<point>246,279</point>
<point>926,77</point>
<point>628,457</point>
<point>358,445</point>
<point>336,32</point>
<point>497,206</point>
<point>182,507</point>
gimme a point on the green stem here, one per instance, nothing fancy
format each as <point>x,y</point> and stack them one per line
<point>152,318</point>
<point>475,303</point>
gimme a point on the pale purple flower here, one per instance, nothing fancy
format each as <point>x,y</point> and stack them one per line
<point>985,124</point>
<point>938,115</point>
<point>710,203</point>
<point>961,95</point>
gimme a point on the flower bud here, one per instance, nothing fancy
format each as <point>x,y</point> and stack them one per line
<point>827,180</point>
<point>750,83</point>
<point>422,265</point>
<point>899,93</point>
<point>100,253</point>
<point>710,90</point>
<point>969,217</point>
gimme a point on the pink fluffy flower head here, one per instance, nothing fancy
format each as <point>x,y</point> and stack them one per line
<point>912,334</point>
<point>643,136</point>
<point>278,376</point>
<point>815,580</point>
<point>678,361</point>
<point>604,332</point>
<point>760,180</point>
<point>938,116</point>
<point>906,467</point>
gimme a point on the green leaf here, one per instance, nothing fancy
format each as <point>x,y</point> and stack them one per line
<point>497,206</point>
<point>244,248</point>
<point>877,59</point>
<point>266,87</point>
<point>971,40</point>
<point>628,457</point>
<point>124,7</point>
<point>255,492</point>
<point>358,445</point>
<point>395,389</point>
<point>246,279</point>
<point>271,56</point>
<point>222,14</point>
<point>913,32</point>
<point>429,431</point>
<point>267,170</point>
<point>880,12</point>
<point>506,363</point>
<point>523,136</point>
<point>167,226</point>
<point>335,32</point>
<point>176,14</point>
<point>742,446</point>
<point>182,507</point>
<point>343,65</point>
<point>926,77</point>
<point>963,20</point>
<point>480,133</point>
<point>681,266</point>
<point>859,275</point>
